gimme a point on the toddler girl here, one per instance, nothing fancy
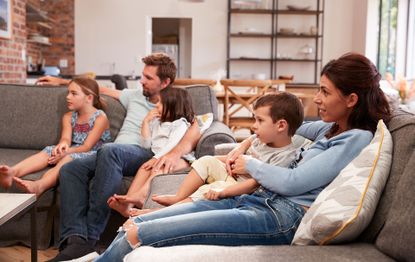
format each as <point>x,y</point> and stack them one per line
<point>162,129</point>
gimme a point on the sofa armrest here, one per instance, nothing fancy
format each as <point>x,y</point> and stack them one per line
<point>164,184</point>
<point>217,133</point>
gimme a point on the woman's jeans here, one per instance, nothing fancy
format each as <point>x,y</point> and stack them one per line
<point>86,184</point>
<point>263,218</point>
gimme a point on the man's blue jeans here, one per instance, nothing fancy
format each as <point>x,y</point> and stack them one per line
<point>86,184</point>
<point>262,218</point>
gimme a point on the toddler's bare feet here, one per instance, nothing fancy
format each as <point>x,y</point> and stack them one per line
<point>6,176</point>
<point>138,212</point>
<point>165,200</point>
<point>120,207</point>
<point>28,186</point>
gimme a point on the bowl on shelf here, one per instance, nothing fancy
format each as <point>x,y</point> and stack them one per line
<point>297,8</point>
<point>286,30</point>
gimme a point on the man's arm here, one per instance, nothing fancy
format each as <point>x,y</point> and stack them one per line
<point>52,81</point>
<point>56,81</point>
<point>114,93</point>
<point>167,162</point>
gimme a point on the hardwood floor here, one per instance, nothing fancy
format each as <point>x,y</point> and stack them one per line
<point>22,254</point>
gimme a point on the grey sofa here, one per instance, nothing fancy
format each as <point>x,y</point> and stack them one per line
<point>390,235</point>
<point>30,118</point>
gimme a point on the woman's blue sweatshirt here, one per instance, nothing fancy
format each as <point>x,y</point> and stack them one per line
<point>320,164</point>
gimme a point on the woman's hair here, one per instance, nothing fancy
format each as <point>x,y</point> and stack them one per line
<point>176,103</point>
<point>354,73</point>
<point>166,69</point>
<point>283,106</point>
<point>90,87</point>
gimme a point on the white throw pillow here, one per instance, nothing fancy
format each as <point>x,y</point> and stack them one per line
<point>346,206</point>
<point>204,121</point>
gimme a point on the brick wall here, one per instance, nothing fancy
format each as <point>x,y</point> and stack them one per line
<point>12,65</point>
<point>61,37</point>
<point>62,34</point>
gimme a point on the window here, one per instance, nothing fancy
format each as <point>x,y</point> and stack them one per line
<point>396,39</point>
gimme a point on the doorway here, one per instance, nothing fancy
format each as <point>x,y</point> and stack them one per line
<point>173,36</point>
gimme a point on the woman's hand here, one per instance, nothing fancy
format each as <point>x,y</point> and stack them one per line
<point>235,153</point>
<point>151,115</point>
<point>231,157</point>
<point>239,166</point>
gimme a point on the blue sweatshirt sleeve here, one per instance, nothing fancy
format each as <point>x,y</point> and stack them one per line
<point>328,159</point>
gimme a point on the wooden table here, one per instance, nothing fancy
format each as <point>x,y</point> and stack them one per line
<point>14,204</point>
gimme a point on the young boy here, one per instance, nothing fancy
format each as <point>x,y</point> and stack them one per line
<point>277,117</point>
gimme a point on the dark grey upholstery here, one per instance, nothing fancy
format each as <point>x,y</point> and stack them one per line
<point>31,117</point>
<point>390,234</point>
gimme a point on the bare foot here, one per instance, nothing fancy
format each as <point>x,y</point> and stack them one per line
<point>165,200</point>
<point>28,186</point>
<point>6,176</point>
<point>120,207</point>
<point>138,212</point>
<point>135,200</point>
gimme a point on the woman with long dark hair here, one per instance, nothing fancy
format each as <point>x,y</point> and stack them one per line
<point>350,104</point>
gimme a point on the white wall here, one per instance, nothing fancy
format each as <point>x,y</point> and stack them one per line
<point>344,28</point>
<point>110,31</point>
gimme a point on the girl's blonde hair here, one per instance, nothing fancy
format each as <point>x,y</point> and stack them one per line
<point>90,87</point>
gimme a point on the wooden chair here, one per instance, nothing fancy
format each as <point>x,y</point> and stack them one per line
<point>234,101</point>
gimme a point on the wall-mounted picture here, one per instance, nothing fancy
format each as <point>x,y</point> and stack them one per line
<point>5,19</point>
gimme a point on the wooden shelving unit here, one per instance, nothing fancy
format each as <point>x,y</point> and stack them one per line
<point>276,38</point>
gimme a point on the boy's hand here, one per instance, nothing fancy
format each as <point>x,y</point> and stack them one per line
<point>213,195</point>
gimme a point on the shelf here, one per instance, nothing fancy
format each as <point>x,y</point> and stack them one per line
<point>38,42</point>
<point>281,12</point>
<point>33,14</point>
<point>297,36</point>
<point>274,59</point>
<point>296,60</point>
<point>251,35</point>
<point>250,59</point>
<point>251,11</point>
<point>298,12</point>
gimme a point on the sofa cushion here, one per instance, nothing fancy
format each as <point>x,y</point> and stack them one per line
<point>36,126</point>
<point>202,253</point>
<point>402,129</point>
<point>203,100</point>
<point>397,238</point>
<point>345,207</point>
<point>115,113</point>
